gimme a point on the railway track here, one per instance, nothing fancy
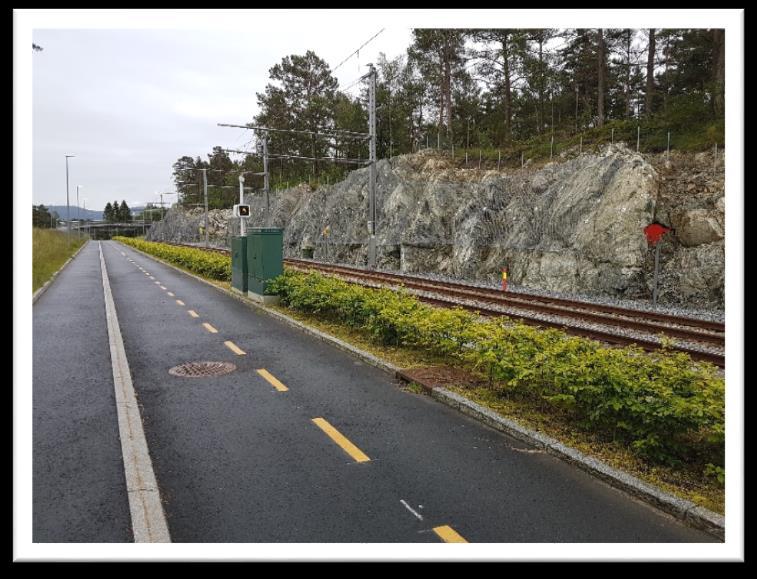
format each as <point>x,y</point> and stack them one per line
<point>702,339</point>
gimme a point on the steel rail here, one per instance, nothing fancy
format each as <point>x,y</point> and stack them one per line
<point>636,319</point>
<point>475,293</point>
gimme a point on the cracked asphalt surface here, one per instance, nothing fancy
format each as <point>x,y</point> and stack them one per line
<point>239,461</point>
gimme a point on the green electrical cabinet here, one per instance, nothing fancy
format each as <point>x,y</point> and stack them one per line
<point>265,258</point>
<point>239,264</point>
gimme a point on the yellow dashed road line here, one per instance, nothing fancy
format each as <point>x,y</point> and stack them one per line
<point>181,303</point>
<point>164,288</point>
<point>234,348</point>
<point>357,454</point>
<point>448,534</point>
<point>171,294</point>
<point>210,328</point>
<point>272,380</point>
<point>193,313</point>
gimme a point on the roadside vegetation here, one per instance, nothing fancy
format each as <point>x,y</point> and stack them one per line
<point>50,250</point>
<point>661,413</point>
<point>205,263</point>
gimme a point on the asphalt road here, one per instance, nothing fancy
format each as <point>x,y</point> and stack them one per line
<point>237,460</point>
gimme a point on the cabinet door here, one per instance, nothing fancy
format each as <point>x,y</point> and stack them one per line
<point>272,255</point>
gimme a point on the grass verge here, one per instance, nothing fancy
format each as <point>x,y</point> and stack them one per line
<point>50,250</point>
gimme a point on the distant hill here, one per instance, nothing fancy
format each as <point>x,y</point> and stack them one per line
<point>82,214</point>
<point>85,214</point>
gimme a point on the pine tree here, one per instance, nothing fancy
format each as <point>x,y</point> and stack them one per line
<point>439,55</point>
<point>124,213</point>
<point>303,98</point>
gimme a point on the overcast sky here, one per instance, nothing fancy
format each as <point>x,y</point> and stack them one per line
<point>128,103</point>
<point>130,91</point>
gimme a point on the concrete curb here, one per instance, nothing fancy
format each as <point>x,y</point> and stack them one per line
<point>148,520</point>
<point>49,282</point>
<point>687,511</point>
<point>696,516</point>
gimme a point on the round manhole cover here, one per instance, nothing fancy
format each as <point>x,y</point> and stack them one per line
<point>202,369</point>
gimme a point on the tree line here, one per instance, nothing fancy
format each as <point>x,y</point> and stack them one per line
<point>483,88</point>
<point>117,213</point>
<point>42,218</point>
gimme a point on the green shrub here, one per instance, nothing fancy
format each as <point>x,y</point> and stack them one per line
<point>205,263</point>
<point>667,407</point>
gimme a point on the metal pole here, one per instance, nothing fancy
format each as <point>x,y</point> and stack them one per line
<point>668,153</point>
<point>242,230</point>
<point>68,209</point>
<point>638,134</point>
<point>580,144</point>
<point>205,192</point>
<point>522,159</point>
<point>499,159</point>
<point>612,135</point>
<point>266,183</point>
<point>467,142</point>
<point>78,213</point>
<point>372,177</point>
<point>551,145</point>
<point>479,157</point>
<point>656,267</point>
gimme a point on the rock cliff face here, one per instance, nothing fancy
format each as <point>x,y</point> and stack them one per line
<point>572,226</point>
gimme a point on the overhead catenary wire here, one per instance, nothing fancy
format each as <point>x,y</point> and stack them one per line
<point>276,156</point>
<point>322,132</point>
<point>357,80</point>
<point>357,51</point>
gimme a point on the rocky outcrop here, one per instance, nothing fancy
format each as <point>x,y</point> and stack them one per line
<point>188,226</point>
<point>691,201</point>
<point>572,226</point>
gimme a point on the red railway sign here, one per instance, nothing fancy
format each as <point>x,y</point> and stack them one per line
<point>654,232</point>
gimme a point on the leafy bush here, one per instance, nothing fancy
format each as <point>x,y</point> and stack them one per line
<point>205,263</point>
<point>667,407</point>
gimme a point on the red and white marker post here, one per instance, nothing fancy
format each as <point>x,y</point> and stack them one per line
<point>654,233</point>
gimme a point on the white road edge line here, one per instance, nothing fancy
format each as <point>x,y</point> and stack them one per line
<point>148,520</point>
<point>409,508</point>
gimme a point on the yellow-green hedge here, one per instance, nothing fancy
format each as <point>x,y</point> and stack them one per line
<point>205,263</point>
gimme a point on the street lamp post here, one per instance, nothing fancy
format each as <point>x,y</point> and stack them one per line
<point>78,213</point>
<point>68,208</point>
<point>84,200</point>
